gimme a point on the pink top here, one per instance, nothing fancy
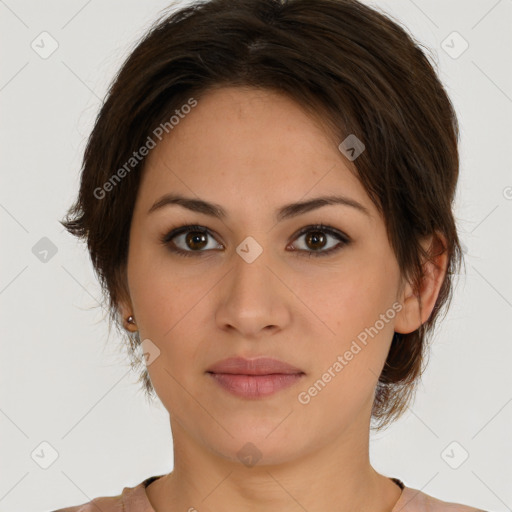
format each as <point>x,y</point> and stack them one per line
<point>135,499</point>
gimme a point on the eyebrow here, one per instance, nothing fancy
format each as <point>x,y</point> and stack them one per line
<point>286,212</point>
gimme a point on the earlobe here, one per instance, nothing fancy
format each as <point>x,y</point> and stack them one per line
<point>413,315</point>
<point>127,317</point>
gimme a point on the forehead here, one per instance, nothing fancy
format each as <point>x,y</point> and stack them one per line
<point>248,142</point>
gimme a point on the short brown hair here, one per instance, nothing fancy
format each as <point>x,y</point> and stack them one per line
<point>352,67</point>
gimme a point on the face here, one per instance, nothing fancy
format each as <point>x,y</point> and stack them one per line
<point>259,283</point>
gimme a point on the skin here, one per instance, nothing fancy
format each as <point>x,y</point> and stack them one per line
<point>252,151</point>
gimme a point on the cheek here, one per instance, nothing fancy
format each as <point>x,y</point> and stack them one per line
<point>155,286</point>
<point>356,303</point>
<point>170,303</point>
<point>352,297</point>
<point>170,317</point>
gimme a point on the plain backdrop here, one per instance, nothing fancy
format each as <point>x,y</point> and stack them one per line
<point>74,424</point>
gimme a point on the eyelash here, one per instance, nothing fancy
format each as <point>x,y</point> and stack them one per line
<point>344,239</point>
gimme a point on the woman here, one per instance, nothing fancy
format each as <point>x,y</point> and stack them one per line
<point>267,200</point>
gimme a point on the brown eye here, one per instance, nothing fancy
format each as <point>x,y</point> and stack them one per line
<point>188,240</point>
<point>315,240</point>
<point>196,240</point>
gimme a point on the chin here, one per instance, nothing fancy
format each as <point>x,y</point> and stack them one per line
<point>257,448</point>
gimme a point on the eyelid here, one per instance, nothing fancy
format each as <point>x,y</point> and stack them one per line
<point>322,227</point>
<point>167,237</point>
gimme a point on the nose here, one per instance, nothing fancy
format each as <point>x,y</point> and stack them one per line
<point>253,299</point>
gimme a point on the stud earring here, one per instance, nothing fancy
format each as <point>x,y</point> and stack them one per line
<point>131,320</point>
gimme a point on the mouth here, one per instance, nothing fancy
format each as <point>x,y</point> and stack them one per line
<point>257,366</point>
<point>255,386</point>
<point>254,378</point>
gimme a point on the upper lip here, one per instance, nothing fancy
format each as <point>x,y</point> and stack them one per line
<point>257,366</point>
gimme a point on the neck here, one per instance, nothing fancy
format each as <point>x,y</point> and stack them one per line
<point>336,475</point>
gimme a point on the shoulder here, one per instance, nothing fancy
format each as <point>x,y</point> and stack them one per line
<point>413,500</point>
<point>105,504</point>
<point>130,499</point>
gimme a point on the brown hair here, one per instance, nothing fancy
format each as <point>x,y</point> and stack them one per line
<point>353,68</point>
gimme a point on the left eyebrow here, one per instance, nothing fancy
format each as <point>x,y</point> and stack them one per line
<point>285,212</point>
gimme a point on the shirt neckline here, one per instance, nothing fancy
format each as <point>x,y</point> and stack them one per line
<point>149,508</point>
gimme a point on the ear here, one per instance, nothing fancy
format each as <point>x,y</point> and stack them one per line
<point>410,317</point>
<point>124,305</point>
<point>125,310</point>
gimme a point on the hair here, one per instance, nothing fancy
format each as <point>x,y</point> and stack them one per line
<point>351,67</point>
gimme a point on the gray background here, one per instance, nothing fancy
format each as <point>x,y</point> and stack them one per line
<point>63,384</point>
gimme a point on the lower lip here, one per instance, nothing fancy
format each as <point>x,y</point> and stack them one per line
<point>255,386</point>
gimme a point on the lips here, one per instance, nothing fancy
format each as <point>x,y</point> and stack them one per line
<point>258,366</point>
<point>254,378</point>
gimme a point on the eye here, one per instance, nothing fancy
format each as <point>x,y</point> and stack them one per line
<point>190,239</point>
<point>316,240</point>
<point>184,238</point>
